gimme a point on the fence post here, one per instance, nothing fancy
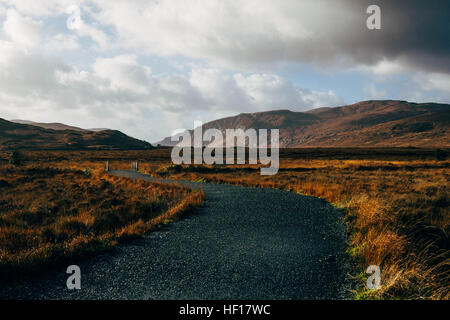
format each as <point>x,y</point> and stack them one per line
<point>137,166</point>
<point>107,165</point>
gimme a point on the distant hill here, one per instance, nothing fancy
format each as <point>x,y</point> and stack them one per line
<point>57,126</point>
<point>383,123</point>
<point>52,125</point>
<point>17,136</point>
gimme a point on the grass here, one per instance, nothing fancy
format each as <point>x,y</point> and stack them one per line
<point>395,202</point>
<point>397,214</point>
<point>51,215</point>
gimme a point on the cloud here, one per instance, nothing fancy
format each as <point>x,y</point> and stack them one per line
<point>124,73</point>
<point>22,30</point>
<point>43,7</point>
<point>438,81</point>
<point>385,68</point>
<point>268,91</point>
<point>418,87</point>
<point>258,34</point>
<point>119,92</point>
<point>374,92</point>
<point>20,26</point>
<point>61,42</point>
<point>237,34</point>
<point>97,35</point>
<point>262,92</point>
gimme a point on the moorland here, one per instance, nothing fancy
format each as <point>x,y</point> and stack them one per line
<point>394,200</point>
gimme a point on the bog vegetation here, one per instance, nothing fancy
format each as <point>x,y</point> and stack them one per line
<point>51,215</point>
<point>395,202</point>
<point>397,212</point>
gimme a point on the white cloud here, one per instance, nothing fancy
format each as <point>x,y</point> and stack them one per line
<point>61,42</point>
<point>438,81</point>
<point>218,89</point>
<point>124,73</point>
<point>41,8</point>
<point>225,32</point>
<point>415,86</point>
<point>250,34</point>
<point>121,93</point>
<point>374,92</point>
<point>97,35</point>
<point>239,92</point>
<point>268,91</point>
<point>385,67</point>
<point>254,33</point>
<point>22,30</point>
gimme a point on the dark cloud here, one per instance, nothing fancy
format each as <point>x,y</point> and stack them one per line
<point>415,32</point>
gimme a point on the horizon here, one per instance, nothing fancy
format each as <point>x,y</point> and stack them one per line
<point>154,142</point>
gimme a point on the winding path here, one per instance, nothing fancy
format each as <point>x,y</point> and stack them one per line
<point>243,243</point>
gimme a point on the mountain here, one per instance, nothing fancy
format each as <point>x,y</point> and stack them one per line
<point>384,123</point>
<point>16,136</point>
<point>57,126</point>
<point>52,125</point>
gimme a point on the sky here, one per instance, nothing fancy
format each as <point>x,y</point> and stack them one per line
<point>148,68</point>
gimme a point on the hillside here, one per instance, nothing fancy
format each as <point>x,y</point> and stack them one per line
<point>365,124</point>
<point>51,125</point>
<point>16,136</point>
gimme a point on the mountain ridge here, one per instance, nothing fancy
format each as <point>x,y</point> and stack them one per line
<point>56,126</point>
<point>49,125</point>
<point>371,123</point>
<point>17,136</point>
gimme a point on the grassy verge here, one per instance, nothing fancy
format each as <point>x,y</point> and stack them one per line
<point>49,216</point>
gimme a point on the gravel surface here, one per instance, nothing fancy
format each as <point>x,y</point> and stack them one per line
<point>243,243</point>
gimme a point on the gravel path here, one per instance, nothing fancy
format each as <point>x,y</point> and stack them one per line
<point>243,243</point>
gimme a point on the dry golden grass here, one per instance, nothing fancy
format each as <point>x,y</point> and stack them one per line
<point>397,213</point>
<point>50,215</point>
<point>395,202</point>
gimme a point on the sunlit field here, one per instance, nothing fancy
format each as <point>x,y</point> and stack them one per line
<point>51,215</point>
<point>395,202</point>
